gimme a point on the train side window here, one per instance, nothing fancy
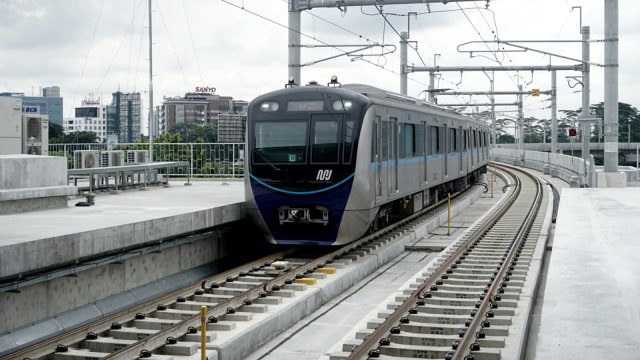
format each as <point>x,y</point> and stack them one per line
<point>441,140</point>
<point>385,138</point>
<point>347,144</point>
<point>419,146</point>
<point>475,139</point>
<point>326,140</point>
<point>407,147</point>
<point>453,140</point>
<point>433,140</point>
<point>465,136</point>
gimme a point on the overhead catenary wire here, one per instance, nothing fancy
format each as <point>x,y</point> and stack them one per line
<point>193,44</point>
<point>86,58</point>
<point>314,38</point>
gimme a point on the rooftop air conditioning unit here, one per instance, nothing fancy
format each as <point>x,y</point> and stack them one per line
<point>35,135</point>
<point>112,158</point>
<point>137,156</point>
<point>86,159</point>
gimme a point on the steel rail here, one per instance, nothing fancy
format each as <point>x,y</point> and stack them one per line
<point>392,324</point>
<point>45,347</point>
<point>510,259</point>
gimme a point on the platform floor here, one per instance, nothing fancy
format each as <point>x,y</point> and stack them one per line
<point>590,306</point>
<point>117,219</point>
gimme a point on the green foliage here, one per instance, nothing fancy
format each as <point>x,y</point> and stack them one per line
<point>56,133</point>
<point>80,137</point>
<point>191,132</point>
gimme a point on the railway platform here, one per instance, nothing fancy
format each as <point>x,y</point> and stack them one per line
<point>37,240</point>
<point>590,303</point>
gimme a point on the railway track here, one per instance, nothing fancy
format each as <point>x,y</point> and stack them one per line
<point>169,327</point>
<point>473,302</point>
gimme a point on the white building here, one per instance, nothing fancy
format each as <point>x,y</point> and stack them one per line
<point>91,116</point>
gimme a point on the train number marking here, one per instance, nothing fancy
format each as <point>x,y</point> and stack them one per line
<point>324,175</point>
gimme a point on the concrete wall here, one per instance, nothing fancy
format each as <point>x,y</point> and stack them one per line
<point>32,182</point>
<point>46,300</point>
<point>40,254</point>
<point>573,170</point>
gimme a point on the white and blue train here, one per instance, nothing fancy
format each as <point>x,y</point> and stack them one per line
<point>325,165</point>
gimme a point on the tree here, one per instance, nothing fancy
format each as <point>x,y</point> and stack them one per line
<point>190,132</point>
<point>56,133</point>
<point>628,121</point>
<point>80,137</point>
<point>503,127</point>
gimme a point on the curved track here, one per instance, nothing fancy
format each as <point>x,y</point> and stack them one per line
<point>463,308</point>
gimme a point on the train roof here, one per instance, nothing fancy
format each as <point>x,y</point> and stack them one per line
<point>375,93</point>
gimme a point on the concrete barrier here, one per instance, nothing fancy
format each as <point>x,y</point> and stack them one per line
<point>31,182</point>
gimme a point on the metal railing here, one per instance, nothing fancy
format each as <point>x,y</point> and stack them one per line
<point>206,160</point>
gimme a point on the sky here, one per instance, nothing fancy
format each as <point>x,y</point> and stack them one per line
<point>239,47</point>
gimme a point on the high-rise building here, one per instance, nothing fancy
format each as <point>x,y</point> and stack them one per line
<point>127,122</point>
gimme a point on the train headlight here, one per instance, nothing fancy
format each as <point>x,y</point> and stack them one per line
<point>342,105</point>
<point>269,106</point>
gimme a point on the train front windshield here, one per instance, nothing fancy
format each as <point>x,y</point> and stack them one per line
<point>279,142</point>
<point>284,142</point>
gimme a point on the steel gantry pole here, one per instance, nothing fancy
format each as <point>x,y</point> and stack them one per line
<point>554,110</point>
<point>404,36</point>
<point>294,44</point>
<point>310,4</point>
<point>520,126</point>
<point>585,116</point>
<point>611,86</point>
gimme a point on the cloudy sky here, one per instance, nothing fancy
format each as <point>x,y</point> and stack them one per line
<point>240,47</point>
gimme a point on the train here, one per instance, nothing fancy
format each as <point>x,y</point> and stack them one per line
<point>325,165</point>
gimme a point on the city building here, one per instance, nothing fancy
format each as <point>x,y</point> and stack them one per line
<point>91,116</point>
<point>201,108</point>
<point>50,103</point>
<point>128,121</point>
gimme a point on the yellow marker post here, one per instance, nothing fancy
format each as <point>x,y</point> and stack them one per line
<point>203,333</point>
<point>448,214</point>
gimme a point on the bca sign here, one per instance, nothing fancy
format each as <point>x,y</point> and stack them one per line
<point>31,109</point>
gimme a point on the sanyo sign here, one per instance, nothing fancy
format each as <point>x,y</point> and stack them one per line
<point>205,89</point>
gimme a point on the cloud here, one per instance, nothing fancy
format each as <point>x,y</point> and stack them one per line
<point>100,46</point>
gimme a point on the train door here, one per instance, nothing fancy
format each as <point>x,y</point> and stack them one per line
<point>377,155</point>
